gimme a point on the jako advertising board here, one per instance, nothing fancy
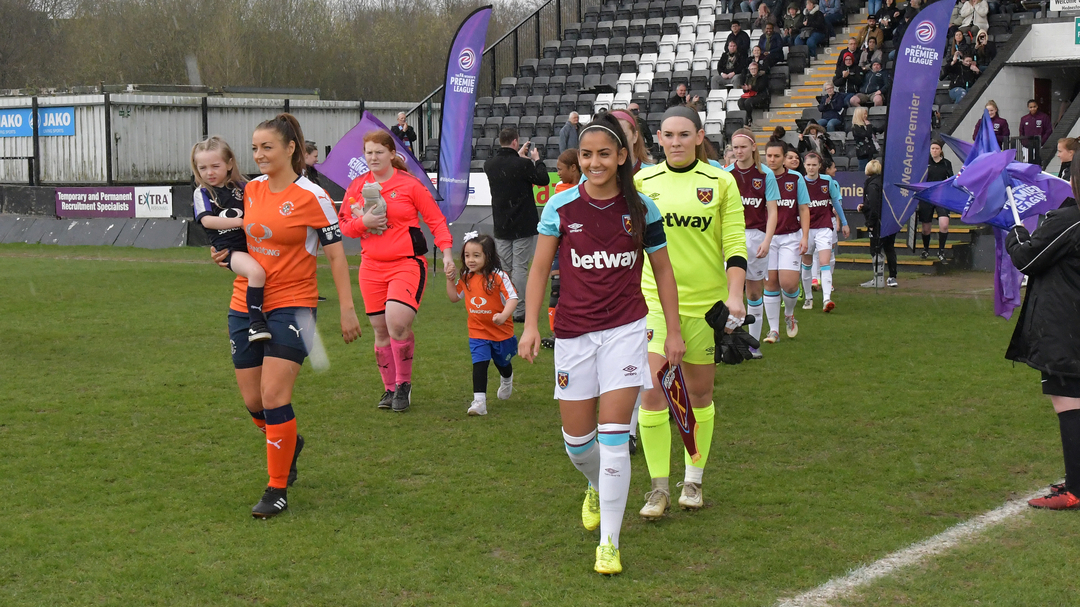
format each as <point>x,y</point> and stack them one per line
<point>55,122</point>
<point>114,202</point>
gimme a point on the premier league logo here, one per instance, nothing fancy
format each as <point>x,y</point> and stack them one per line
<point>563,378</point>
<point>627,225</point>
<point>758,183</point>
<point>704,195</point>
<point>925,32</point>
<point>467,59</point>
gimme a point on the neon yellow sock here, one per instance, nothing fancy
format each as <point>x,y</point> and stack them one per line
<point>705,417</point>
<point>654,430</point>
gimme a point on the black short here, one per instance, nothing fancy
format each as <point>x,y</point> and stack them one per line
<point>1059,385</point>
<point>292,332</point>
<point>927,210</point>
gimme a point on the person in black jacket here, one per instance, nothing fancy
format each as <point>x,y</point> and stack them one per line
<point>816,30</point>
<point>873,195</point>
<point>512,172</point>
<point>741,38</point>
<point>403,131</point>
<point>939,169</point>
<point>755,87</point>
<point>731,66</point>
<point>1046,332</point>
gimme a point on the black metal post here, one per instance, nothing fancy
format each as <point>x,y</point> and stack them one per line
<point>558,20</point>
<point>108,141</point>
<point>539,43</point>
<point>517,65</point>
<point>205,119</point>
<point>35,166</point>
<point>286,105</point>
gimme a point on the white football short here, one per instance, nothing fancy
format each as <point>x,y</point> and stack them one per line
<point>588,365</point>
<point>756,267</point>
<point>821,239</point>
<point>784,254</point>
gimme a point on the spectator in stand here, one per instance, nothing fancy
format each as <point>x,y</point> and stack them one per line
<point>1001,126</point>
<point>642,128</point>
<point>755,87</point>
<point>772,46</point>
<point>984,51</point>
<point>973,16</point>
<point>868,55</point>
<point>793,24</point>
<point>815,32</point>
<point>848,77</point>
<point>759,59</point>
<point>862,132</point>
<point>405,133</point>
<point>910,13</point>
<point>852,47</point>
<point>815,139</point>
<point>870,30</point>
<point>682,98</point>
<point>875,87</point>
<point>1035,123</point>
<point>873,6</point>
<point>834,15</point>
<point>512,172</point>
<point>764,17</point>
<point>731,67</point>
<point>832,107</point>
<point>962,74</point>
<point>958,46</point>
<point>741,38</point>
<point>888,18</point>
<point>568,136</point>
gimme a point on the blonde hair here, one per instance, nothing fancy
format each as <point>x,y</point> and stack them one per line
<point>994,105</point>
<point>217,144</point>
<point>859,117</point>
<point>873,167</point>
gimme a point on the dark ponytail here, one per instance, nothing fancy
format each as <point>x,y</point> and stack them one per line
<point>288,127</point>
<point>624,174</point>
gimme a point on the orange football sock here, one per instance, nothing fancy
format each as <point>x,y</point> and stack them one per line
<point>259,419</point>
<point>280,444</point>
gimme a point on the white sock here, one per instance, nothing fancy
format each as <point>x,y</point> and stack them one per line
<point>633,416</point>
<point>584,452</point>
<point>807,284</point>
<point>816,271</point>
<point>758,311</point>
<point>789,302</point>
<point>772,310</point>
<point>826,282</point>
<point>614,480</point>
<point>693,474</point>
<point>506,380</point>
<point>480,397</point>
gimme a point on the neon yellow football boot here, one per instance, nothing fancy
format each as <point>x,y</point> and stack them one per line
<point>590,509</point>
<point>607,559</point>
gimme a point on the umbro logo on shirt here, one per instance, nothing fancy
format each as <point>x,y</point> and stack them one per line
<point>574,228</point>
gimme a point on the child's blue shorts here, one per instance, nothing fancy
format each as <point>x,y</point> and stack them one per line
<point>498,351</point>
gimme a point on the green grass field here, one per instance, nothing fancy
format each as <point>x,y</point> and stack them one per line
<point>129,466</point>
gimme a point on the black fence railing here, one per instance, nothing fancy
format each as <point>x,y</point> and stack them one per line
<point>29,160</point>
<point>501,60</point>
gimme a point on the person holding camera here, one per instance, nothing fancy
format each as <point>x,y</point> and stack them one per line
<point>814,139</point>
<point>512,172</point>
<point>1044,338</point>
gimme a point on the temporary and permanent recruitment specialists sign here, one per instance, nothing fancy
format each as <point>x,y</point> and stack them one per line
<point>907,144</point>
<point>114,202</point>
<point>55,122</point>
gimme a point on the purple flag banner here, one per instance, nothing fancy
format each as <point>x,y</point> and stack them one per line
<point>907,145</point>
<point>459,101</point>
<point>345,161</point>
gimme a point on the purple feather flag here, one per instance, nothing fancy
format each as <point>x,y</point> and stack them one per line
<point>345,161</point>
<point>1007,279</point>
<point>985,179</point>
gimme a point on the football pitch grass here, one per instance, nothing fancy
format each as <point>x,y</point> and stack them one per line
<point>128,465</point>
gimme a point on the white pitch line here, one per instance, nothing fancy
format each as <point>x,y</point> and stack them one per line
<point>845,586</point>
